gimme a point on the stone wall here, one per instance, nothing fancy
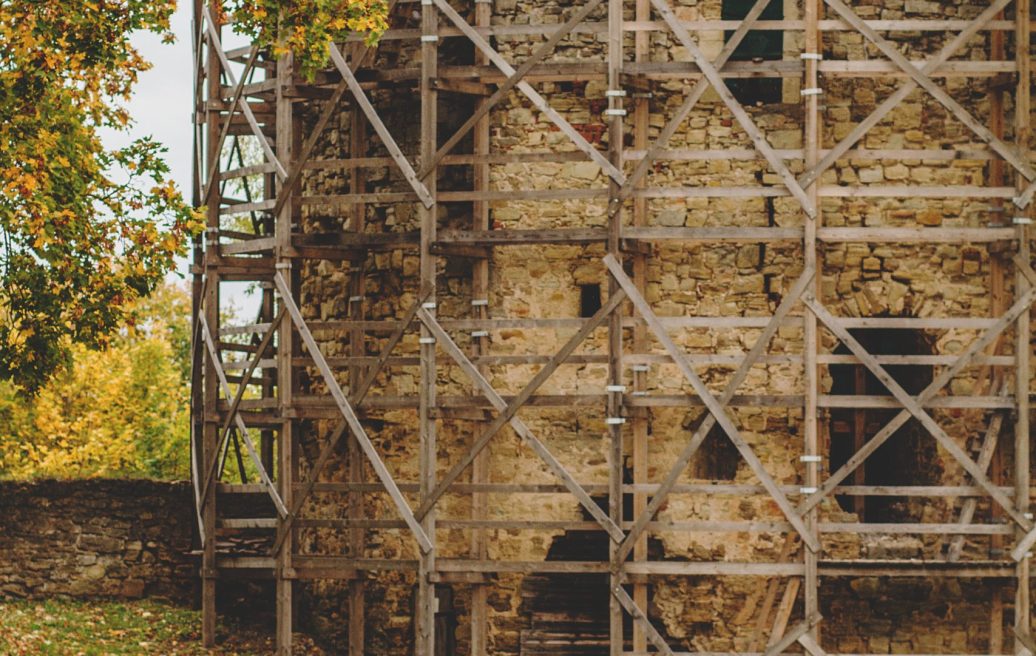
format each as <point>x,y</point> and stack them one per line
<point>93,538</point>
<point>682,280</point>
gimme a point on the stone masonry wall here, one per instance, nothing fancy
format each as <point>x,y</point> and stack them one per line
<point>683,280</point>
<point>94,538</point>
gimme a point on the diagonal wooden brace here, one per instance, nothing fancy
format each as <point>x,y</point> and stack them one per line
<point>350,417</point>
<point>538,55</point>
<point>379,127</point>
<point>245,109</point>
<point>211,177</point>
<point>714,78</point>
<point>937,92</point>
<point>659,497</point>
<point>523,431</point>
<point>940,381</point>
<point>641,618</point>
<point>793,635</point>
<point>893,101</point>
<point>512,408</point>
<point>714,406</point>
<point>264,477</point>
<point>537,100</point>
<point>692,98</point>
<point>915,409</point>
<point>356,398</point>
<point>232,412</point>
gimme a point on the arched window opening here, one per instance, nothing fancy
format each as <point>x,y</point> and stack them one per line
<point>909,456</point>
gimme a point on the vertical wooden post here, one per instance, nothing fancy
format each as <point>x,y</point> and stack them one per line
<point>210,432</point>
<point>285,350</point>
<point>426,600</point>
<point>813,48</point>
<point>1023,345</point>
<point>641,467</point>
<point>357,349</point>
<point>480,310</point>
<point>997,306</point>
<point>614,409</point>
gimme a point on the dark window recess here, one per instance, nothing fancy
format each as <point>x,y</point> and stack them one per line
<point>589,300</point>
<point>909,457</point>
<point>717,458</point>
<point>758,45</point>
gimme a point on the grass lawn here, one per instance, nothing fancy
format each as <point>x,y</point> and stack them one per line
<point>58,627</point>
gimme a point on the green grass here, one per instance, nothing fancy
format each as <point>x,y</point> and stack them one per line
<point>101,628</point>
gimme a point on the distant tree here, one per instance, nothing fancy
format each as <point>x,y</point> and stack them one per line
<point>120,411</point>
<point>85,231</point>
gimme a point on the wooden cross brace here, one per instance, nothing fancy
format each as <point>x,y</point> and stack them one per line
<point>1010,154</point>
<point>893,101</point>
<point>519,427</point>
<point>537,100</point>
<point>357,397</point>
<point>512,408</point>
<point>264,477</point>
<point>715,407</point>
<point>245,108</point>
<point>692,98</point>
<point>211,178</point>
<point>940,381</point>
<point>379,127</point>
<point>914,408</point>
<point>758,138</point>
<point>671,479</point>
<point>351,419</point>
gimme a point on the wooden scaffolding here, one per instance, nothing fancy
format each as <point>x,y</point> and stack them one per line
<point>244,398</point>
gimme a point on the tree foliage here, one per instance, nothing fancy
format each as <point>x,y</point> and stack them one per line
<point>85,231</point>
<point>306,28</point>
<point>118,411</point>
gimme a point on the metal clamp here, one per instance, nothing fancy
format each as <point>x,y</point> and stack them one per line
<point>1021,220</point>
<point>615,421</point>
<point>282,265</point>
<point>480,302</point>
<point>810,458</point>
<point>812,91</point>
<point>615,93</point>
<point>429,38</point>
<point>640,367</point>
<point>425,340</point>
<point>808,490</point>
<point>616,388</point>
<point>355,299</point>
<point>814,56</point>
<point>429,305</point>
<point>480,333</point>
<point>615,112</point>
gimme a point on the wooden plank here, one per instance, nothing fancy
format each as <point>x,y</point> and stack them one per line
<point>523,431</point>
<point>537,100</point>
<point>749,126</point>
<point>351,419</point>
<point>715,407</point>
<point>379,127</point>
<point>517,403</point>
<point>673,476</point>
<point>619,593</point>
<point>912,406</point>
<point>789,638</point>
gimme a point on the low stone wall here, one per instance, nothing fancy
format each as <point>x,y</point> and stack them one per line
<point>91,538</point>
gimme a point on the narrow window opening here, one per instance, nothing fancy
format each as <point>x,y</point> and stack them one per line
<point>909,456</point>
<point>589,300</point>
<point>717,458</point>
<point>757,46</point>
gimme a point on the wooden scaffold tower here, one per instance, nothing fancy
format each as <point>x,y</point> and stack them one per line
<point>642,142</point>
